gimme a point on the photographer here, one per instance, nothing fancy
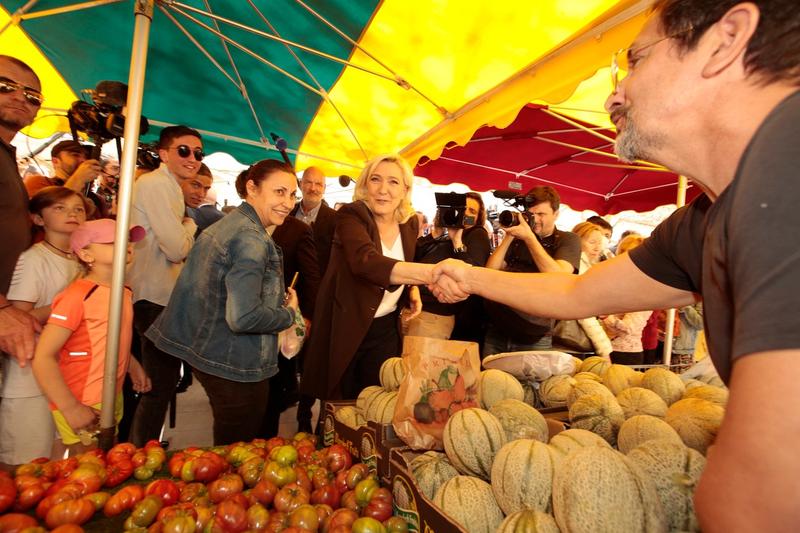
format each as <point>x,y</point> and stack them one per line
<point>468,242</point>
<point>532,243</point>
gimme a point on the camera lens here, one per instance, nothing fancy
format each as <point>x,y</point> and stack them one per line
<point>508,218</point>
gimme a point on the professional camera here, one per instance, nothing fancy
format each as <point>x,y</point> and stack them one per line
<point>451,211</point>
<point>509,218</point>
<point>147,156</point>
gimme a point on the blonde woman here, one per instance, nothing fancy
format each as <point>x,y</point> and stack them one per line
<point>356,324</point>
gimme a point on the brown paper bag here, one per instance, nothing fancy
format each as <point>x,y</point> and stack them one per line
<point>441,378</point>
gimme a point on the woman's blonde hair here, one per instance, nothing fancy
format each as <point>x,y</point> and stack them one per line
<point>584,229</point>
<point>629,243</point>
<point>404,211</point>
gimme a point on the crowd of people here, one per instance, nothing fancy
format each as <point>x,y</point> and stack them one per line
<point>221,297</point>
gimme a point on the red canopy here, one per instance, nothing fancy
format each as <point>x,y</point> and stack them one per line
<point>543,147</point>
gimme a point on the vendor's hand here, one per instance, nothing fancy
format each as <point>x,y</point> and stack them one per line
<point>522,230</point>
<point>415,304</point>
<point>81,416</point>
<point>450,281</point>
<point>139,378</point>
<point>291,298</point>
<point>85,173</point>
<point>17,329</point>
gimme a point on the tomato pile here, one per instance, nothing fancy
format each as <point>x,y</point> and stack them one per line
<point>264,485</point>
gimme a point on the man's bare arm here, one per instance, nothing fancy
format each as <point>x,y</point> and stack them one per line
<point>750,482</point>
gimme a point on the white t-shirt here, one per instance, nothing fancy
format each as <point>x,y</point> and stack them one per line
<point>390,298</point>
<point>39,276</point>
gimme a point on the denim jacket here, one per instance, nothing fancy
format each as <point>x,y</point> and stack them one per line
<point>226,310</point>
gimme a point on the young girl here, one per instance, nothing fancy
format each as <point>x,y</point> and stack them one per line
<point>70,356</point>
<point>42,271</point>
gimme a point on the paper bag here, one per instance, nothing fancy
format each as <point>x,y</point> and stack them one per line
<point>441,378</point>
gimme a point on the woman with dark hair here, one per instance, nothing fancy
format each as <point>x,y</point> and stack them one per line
<point>230,303</point>
<point>356,324</point>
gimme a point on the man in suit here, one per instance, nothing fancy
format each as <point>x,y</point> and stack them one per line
<point>313,210</point>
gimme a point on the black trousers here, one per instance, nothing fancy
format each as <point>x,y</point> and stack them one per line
<point>282,391</point>
<point>381,342</point>
<point>238,408</point>
<point>627,358</point>
<point>164,372</point>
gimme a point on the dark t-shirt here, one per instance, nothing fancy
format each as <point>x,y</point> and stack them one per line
<point>14,218</point>
<point>740,252</point>
<point>523,328</point>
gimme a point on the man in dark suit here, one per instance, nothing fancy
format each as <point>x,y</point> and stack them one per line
<point>313,210</point>
<point>296,241</point>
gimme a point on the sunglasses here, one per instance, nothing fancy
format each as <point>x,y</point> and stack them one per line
<point>33,96</point>
<point>184,151</point>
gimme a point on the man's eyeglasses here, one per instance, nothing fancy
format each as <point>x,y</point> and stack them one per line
<point>34,97</point>
<point>185,151</point>
<point>627,58</point>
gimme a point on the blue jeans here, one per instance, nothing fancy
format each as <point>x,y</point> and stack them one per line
<point>498,342</point>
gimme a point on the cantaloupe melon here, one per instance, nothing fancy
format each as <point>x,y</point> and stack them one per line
<point>675,470</point>
<point>470,503</point>
<point>696,421</point>
<point>595,364</point>
<point>520,420</point>
<point>642,428</point>
<point>365,395</point>
<point>554,390</point>
<point>692,383</point>
<point>598,414</point>
<point>530,393</point>
<point>583,388</point>
<point>496,385</point>
<point>599,490</point>
<point>713,394</point>
<point>382,409</point>
<point>431,470</point>
<point>641,401</point>
<point>575,439</point>
<point>529,522</point>
<point>350,416</point>
<point>712,379</point>
<point>619,377</point>
<point>666,384</point>
<point>576,365</point>
<point>392,373</point>
<point>522,475</point>
<point>587,376</point>
<point>472,437</point>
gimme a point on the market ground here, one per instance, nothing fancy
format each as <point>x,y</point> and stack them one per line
<point>193,423</point>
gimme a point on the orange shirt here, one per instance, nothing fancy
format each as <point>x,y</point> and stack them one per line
<point>83,308</point>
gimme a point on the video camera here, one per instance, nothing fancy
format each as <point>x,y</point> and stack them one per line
<point>451,211</point>
<point>522,202</point>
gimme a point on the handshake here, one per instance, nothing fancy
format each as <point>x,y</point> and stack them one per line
<point>449,280</point>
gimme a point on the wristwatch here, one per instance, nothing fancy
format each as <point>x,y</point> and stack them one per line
<point>460,249</point>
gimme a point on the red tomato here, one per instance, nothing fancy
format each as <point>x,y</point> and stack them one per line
<point>123,500</point>
<point>305,516</point>
<point>338,458</point>
<point>278,521</point>
<point>64,467</point>
<point>356,473</point>
<point>321,477</point>
<point>122,447</point>
<point>68,528</point>
<point>257,517</point>
<point>119,471</point>
<point>339,518</point>
<point>138,459</point>
<point>365,489</point>
<point>28,497</point>
<point>348,501</point>
<point>8,492</point>
<point>175,464</point>
<point>290,497</point>
<point>328,495</point>
<point>166,489</point>
<point>146,510</point>
<point>380,510</point>
<point>231,516</point>
<point>16,522</point>
<point>264,492</point>
<point>368,525</point>
<point>273,443</point>
<point>153,443</point>
<point>225,487</point>
<point>191,491</point>
<point>251,470</point>
<point>208,467</point>
<point>179,524</point>
<point>302,478</point>
<point>90,476</point>
<point>46,503</point>
<point>204,516</point>
<point>69,512</point>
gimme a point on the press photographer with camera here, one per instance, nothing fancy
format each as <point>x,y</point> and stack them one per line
<point>458,233</point>
<point>532,243</point>
<point>72,168</point>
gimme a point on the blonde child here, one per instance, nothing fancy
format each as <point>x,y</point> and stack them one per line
<point>43,270</point>
<point>70,356</point>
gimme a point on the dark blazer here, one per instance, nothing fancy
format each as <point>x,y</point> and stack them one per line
<point>323,227</point>
<point>351,290</point>
<point>296,241</point>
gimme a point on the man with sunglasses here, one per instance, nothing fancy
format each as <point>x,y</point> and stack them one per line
<point>158,206</point>
<point>20,100</point>
<point>712,91</point>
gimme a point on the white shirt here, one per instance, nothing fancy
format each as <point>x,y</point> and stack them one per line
<point>158,258</point>
<point>390,298</point>
<point>39,276</point>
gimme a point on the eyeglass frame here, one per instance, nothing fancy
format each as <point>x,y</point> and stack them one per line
<point>615,81</point>
<point>197,153</point>
<point>28,92</point>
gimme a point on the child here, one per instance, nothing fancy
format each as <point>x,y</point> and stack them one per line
<point>69,358</point>
<point>42,271</point>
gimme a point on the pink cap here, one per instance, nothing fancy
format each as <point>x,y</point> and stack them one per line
<point>100,231</point>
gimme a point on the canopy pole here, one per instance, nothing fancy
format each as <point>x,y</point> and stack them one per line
<point>669,327</point>
<point>143,17</point>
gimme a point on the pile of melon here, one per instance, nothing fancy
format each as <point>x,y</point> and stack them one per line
<point>375,403</point>
<point>630,461</point>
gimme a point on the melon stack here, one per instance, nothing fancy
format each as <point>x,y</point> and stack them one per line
<point>375,403</point>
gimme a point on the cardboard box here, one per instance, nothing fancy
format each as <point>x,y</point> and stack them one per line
<point>369,444</point>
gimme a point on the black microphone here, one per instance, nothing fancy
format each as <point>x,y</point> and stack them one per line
<point>345,180</point>
<point>505,194</point>
<point>281,145</point>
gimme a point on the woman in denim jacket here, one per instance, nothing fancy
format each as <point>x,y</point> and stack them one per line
<point>230,303</point>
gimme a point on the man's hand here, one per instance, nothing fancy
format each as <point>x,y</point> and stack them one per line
<point>85,173</point>
<point>17,330</point>
<point>139,378</point>
<point>81,416</point>
<point>414,304</point>
<point>450,281</point>
<point>521,231</point>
